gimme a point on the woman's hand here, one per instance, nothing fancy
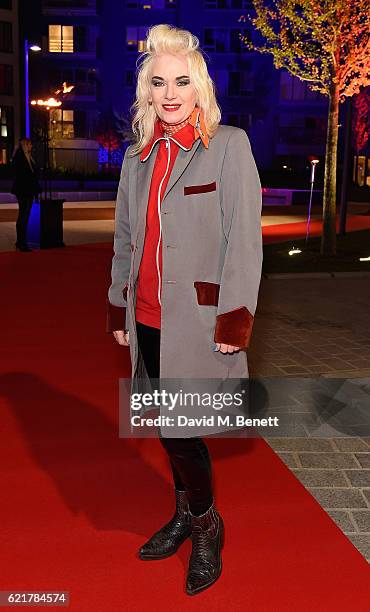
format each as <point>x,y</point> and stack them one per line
<point>227,348</point>
<point>122,337</point>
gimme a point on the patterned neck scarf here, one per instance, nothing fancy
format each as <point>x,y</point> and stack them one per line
<point>169,128</point>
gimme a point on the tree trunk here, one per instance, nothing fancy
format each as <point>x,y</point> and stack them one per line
<point>328,238</point>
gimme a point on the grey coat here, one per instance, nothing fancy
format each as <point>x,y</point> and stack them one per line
<point>211,255</point>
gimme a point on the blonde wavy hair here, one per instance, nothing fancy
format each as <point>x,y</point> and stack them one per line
<point>160,39</point>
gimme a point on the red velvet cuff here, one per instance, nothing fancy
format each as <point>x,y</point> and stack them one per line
<point>234,327</point>
<point>116,317</point>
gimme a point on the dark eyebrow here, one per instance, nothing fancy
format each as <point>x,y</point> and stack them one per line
<point>184,76</point>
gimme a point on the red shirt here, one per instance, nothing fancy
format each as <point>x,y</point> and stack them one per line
<point>148,309</point>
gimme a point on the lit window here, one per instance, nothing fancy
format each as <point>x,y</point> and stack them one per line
<point>135,38</point>
<point>61,122</point>
<point>60,39</point>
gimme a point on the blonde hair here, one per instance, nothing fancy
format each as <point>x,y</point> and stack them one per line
<point>165,38</point>
<point>22,147</point>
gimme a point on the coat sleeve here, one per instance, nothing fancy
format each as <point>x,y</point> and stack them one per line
<point>117,292</point>
<point>241,204</point>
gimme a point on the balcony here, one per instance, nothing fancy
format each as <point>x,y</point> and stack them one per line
<point>69,7</point>
<point>83,92</point>
<point>300,140</point>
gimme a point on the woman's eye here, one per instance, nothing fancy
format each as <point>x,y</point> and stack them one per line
<point>159,83</point>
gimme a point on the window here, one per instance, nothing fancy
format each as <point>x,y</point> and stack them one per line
<point>6,42</point>
<point>4,116</point>
<point>150,4</point>
<point>292,88</point>
<point>6,4</point>
<point>222,40</point>
<point>135,38</point>
<point>236,42</point>
<point>240,83</point>
<point>6,79</point>
<point>60,39</point>
<point>242,120</point>
<point>228,4</point>
<point>216,39</point>
<point>220,78</point>
<point>295,129</point>
<point>61,122</point>
<point>129,78</point>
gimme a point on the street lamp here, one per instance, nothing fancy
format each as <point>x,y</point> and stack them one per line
<point>313,162</point>
<point>28,47</point>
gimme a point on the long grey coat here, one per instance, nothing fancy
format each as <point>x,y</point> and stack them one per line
<point>211,255</point>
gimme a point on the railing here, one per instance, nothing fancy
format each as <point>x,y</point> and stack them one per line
<point>70,4</point>
<point>84,89</point>
<point>300,136</point>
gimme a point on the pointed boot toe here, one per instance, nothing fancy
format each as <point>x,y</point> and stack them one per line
<point>205,564</point>
<point>167,540</point>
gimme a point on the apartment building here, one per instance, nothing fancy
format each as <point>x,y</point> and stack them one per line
<point>10,129</point>
<point>69,35</point>
<point>94,45</point>
<point>285,121</point>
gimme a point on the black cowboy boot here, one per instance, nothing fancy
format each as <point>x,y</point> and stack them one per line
<point>167,540</point>
<point>205,561</point>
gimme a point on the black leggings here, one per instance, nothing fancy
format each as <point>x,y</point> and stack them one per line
<point>189,457</point>
<point>25,205</point>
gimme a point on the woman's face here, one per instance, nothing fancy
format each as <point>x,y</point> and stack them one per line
<point>170,86</point>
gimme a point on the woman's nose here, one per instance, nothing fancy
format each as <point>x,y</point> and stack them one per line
<point>170,92</point>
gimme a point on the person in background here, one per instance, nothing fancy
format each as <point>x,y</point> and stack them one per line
<point>25,187</point>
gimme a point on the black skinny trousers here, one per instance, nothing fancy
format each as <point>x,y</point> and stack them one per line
<point>189,457</point>
<point>25,205</point>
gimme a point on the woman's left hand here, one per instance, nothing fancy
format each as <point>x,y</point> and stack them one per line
<point>227,348</point>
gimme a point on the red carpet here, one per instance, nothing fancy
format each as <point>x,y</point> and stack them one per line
<point>288,231</point>
<point>77,501</point>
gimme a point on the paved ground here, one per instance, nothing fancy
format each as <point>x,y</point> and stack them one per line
<point>311,328</point>
<point>93,230</point>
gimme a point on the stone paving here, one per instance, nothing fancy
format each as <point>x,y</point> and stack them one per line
<point>336,471</point>
<point>315,328</point>
<point>312,327</point>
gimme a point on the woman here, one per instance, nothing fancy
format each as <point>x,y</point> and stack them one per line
<point>25,188</point>
<point>187,265</point>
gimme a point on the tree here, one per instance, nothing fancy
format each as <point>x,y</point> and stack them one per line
<point>327,44</point>
<point>361,121</point>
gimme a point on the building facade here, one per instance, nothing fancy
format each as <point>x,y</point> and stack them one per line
<point>286,122</point>
<point>10,121</point>
<point>94,45</point>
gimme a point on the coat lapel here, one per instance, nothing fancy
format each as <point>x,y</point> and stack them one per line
<point>145,172</point>
<point>182,161</point>
<point>144,177</point>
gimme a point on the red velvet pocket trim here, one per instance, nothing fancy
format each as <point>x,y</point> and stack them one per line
<point>207,293</point>
<point>234,327</point>
<point>200,188</point>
